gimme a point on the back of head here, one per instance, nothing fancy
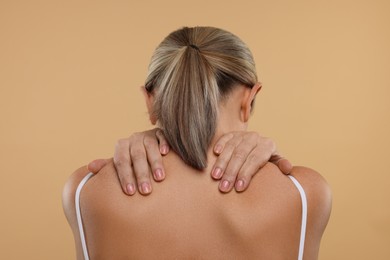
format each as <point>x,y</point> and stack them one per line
<point>191,72</point>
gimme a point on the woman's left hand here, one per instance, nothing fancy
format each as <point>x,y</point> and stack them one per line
<point>241,155</point>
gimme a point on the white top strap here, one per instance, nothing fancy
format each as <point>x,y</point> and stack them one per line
<point>78,215</point>
<point>304,216</point>
<point>89,175</point>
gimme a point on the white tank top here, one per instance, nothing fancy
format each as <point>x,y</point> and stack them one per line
<point>296,183</point>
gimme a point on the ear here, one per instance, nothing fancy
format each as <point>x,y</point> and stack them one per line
<point>247,102</point>
<point>149,100</point>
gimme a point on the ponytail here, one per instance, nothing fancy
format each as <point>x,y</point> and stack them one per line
<point>188,82</point>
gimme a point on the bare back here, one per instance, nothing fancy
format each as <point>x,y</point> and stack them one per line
<point>186,217</point>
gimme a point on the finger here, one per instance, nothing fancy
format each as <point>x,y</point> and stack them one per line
<point>141,167</point>
<point>222,162</point>
<point>97,165</point>
<point>222,141</point>
<point>122,165</point>
<point>154,157</point>
<point>223,159</point>
<point>257,159</point>
<point>238,159</point>
<point>283,164</point>
<point>164,146</point>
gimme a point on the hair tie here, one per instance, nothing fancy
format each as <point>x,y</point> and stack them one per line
<point>194,47</point>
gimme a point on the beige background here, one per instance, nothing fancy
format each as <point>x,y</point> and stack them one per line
<point>70,73</point>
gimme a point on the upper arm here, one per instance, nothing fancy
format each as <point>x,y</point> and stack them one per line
<point>319,199</point>
<point>68,204</point>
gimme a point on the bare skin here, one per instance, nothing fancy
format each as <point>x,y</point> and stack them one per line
<point>186,217</point>
<point>138,159</point>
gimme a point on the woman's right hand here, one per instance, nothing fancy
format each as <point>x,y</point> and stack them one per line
<point>240,156</point>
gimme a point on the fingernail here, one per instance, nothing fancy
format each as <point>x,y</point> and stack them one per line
<point>164,149</point>
<point>217,173</point>
<point>218,148</point>
<point>240,185</point>
<point>158,174</point>
<point>130,189</point>
<point>225,185</point>
<point>145,187</point>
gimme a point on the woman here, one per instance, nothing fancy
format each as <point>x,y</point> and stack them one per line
<point>201,84</point>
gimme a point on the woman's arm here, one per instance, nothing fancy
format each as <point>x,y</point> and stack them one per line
<point>240,156</point>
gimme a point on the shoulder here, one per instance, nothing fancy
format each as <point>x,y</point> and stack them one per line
<point>92,193</point>
<point>316,187</point>
<point>319,200</point>
<point>68,204</point>
<point>69,191</point>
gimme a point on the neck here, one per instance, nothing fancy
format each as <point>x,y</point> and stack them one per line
<point>228,121</point>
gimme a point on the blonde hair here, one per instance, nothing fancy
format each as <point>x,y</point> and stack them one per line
<point>190,72</point>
